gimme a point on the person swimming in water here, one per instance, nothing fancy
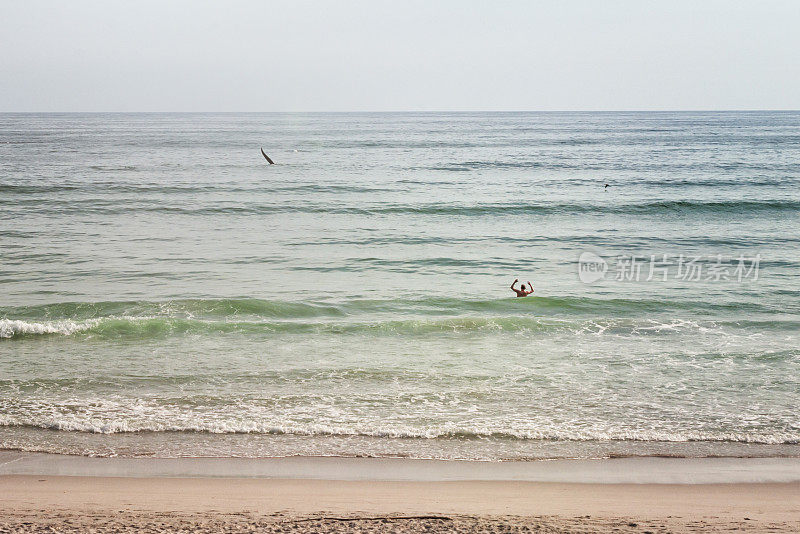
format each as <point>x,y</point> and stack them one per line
<point>522,292</point>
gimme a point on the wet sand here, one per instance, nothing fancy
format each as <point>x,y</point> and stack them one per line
<point>148,503</point>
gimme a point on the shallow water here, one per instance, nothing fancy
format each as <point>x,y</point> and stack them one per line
<point>166,292</point>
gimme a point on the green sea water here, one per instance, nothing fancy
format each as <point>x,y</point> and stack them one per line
<point>166,292</point>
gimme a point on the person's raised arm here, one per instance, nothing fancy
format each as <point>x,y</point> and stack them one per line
<point>530,285</point>
<point>514,282</point>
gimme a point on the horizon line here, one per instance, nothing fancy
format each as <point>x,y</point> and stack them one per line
<point>698,110</point>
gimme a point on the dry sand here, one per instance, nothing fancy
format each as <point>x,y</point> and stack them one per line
<point>43,503</point>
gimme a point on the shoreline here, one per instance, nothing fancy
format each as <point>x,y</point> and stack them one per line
<point>630,470</point>
<point>49,492</point>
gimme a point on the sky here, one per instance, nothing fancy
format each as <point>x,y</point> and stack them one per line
<point>377,55</point>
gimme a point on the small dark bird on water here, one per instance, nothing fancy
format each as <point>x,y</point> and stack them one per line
<point>606,187</point>
<point>266,157</point>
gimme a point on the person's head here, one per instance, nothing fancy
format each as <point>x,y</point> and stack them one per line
<point>522,286</point>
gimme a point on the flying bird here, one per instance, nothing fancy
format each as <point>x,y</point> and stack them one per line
<point>266,157</point>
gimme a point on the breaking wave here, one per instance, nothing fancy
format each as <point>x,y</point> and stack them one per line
<point>155,319</point>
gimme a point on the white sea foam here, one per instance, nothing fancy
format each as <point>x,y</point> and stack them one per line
<point>174,423</point>
<point>12,328</point>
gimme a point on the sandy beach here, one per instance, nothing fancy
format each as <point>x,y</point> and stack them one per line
<point>49,501</point>
<point>32,503</point>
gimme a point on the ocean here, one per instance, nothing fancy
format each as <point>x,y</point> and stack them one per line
<point>166,292</point>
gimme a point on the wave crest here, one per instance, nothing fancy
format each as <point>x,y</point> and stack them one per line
<point>10,328</point>
<point>579,315</point>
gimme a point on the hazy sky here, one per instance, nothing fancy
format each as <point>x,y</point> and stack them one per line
<point>403,55</point>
